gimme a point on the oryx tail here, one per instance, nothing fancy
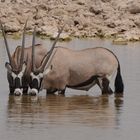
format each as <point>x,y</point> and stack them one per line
<point>119,86</point>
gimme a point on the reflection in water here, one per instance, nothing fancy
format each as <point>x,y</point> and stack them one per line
<point>56,110</point>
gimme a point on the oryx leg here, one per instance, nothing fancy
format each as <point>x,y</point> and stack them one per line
<point>106,87</point>
<point>51,91</point>
<point>62,92</point>
<point>103,83</point>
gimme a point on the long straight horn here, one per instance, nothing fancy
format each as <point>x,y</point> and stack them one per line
<point>6,44</point>
<point>23,46</point>
<point>41,68</point>
<point>57,38</point>
<point>33,50</point>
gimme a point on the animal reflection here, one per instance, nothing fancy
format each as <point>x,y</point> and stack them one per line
<point>94,111</point>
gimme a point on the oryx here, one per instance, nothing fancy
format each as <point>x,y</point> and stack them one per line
<point>19,65</point>
<point>77,69</point>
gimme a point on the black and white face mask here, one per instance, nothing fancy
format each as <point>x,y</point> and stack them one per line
<point>36,81</point>
<point>15,79</point>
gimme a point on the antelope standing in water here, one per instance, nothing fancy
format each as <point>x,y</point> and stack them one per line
<point>77,69</point>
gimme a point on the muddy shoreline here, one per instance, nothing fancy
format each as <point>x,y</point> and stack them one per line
<point>119,20</point>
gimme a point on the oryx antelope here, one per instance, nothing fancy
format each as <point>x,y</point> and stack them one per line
<point>77,69</point>
<point>19,65</point>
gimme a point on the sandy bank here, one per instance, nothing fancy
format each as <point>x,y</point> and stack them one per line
<point>83,18</point>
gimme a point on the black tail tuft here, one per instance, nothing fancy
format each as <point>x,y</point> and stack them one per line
<point>119,86</point>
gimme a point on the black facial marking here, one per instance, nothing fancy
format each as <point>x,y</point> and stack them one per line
<point>34,83</point>
<point>17,82</point>
<point>10,80</point>
<point>13,83</point>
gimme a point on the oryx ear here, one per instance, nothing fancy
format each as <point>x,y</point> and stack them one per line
<point>8,67</point>
<point>24,66</point>
<point>48,70</point>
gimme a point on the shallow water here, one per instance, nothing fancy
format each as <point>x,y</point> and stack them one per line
<point>80,115</point>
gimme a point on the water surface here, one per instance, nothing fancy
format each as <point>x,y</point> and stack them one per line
<point>80,115</point>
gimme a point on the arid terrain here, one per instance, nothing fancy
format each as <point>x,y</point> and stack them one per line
<point>83,18</point>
